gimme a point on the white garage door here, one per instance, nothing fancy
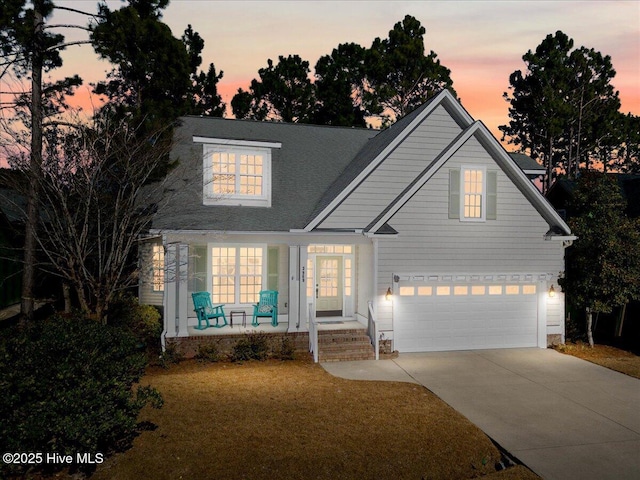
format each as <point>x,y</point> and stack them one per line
<point>461,316</point>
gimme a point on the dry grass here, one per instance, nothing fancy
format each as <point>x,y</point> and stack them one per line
<point>292,420</point>
<point>605,355</point>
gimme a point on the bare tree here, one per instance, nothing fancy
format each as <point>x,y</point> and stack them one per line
<point>95,203</point>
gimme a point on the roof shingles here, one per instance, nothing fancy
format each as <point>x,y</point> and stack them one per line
<point>310,160</point>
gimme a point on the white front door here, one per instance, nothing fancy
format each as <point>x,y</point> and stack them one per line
<point>329,293</point>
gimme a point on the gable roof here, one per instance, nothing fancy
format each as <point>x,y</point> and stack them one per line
<point>314,169</point>
<point>369,159</point>
<point>379,148</point>
<point>309,160</point>
<point>501,157</point>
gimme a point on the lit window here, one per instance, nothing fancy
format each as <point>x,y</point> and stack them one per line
<point>461,290</point>
<point>157,282</point>
<point>309,277</point>
<point>528,289</point>
<point>329,249</point>
<point>478,290</point>
<point>495,290</point>
<point>237,176</point>
<point>347,276</point>
<point>512,289</point>
<point>443,290</point>
<point>425,291</point>
<point>237,274</point>
<point>407,291</point>
<point>328,277</point>
<point>473,193</point>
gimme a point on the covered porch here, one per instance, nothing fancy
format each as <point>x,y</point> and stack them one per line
<point>322,286</point>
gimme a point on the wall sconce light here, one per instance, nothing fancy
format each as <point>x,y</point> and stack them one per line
<point>388,295</point>
<point>552,292</point>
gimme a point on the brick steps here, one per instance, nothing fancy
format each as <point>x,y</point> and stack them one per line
<point>343,345</point>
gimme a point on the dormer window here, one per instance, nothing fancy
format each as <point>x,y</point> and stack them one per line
<point>236,172</point>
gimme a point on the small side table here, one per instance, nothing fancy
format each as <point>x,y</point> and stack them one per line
<point>239,312</point>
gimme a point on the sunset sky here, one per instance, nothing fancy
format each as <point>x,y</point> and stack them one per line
<point>481,42</point>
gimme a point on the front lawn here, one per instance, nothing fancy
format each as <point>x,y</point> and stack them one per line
<point>292,420</point>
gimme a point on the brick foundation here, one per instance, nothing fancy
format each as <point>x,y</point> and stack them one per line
<point>188,346</point>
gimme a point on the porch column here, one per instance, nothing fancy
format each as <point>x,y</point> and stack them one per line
<point>183,300</point>
<point>169,302</point>
<point>304,279</point>
<point>294,287</point>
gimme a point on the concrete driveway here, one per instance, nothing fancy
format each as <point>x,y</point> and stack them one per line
<point>563,417</point>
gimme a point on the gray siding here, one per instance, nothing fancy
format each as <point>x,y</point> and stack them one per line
<point>146,295</point>
<point>402,166</point>
<point>429,241</point>
<point>364,276</point>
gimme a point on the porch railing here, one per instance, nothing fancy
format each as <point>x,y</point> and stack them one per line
<point>313,334</point>
<point>372,331</point>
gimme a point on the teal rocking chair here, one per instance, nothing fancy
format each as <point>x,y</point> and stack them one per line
<point>205,311</point>
<point>267,306</point>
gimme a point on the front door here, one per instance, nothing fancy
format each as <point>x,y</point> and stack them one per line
<point>329,294</point>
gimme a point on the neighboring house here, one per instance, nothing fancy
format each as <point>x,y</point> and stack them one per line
<point>532,169</point>
<point>432,211</point>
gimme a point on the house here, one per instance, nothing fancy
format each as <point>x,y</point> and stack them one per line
<point>532,169</point>
<point>428,230</point>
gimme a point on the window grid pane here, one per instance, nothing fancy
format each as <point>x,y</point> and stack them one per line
<point>157,284</point>
<point>473,184</point>
<point>251,174</point>
<point>347,276</point>
<point>223,271</point>
<point>250,277</point>
<point>310,278</point>
<point>224,173</point>
<point>329,278</point>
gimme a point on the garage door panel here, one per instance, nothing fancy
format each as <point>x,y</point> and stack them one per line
<point>464,321</point>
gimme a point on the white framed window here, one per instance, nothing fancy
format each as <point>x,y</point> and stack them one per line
<point>238,273</point>
<point>157,263</point>
<point>473,194</point>
<point>237,175</point>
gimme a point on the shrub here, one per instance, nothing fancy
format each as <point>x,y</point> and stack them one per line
<point>67,388</point>
<point>143,321</point>
<point>171,355</point>
<point>253,347</point>
<point>287,349</point>
<point>208,353</point>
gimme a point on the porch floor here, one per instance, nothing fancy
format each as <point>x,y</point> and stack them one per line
<point>324,324</point>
